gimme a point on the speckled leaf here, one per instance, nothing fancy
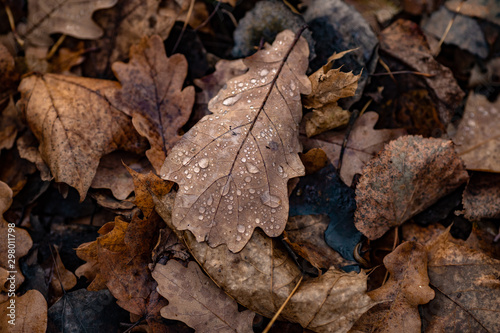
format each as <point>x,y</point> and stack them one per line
<point>70,17</point>
<point>478,135</point>
<point>481,197</point>
<point>232,167</point>
<point>409,175</point>
<point>153,96</point>
<point>194,299</point>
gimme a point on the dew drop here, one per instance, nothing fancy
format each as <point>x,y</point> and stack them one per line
<point>201,210</point>
<point>185,160</point>
<point>225,189</point>
<point>196,169</point>
<point>257,220</point>
<point>189,176</point>
<point>253,80</point>
<point>252,191</point>
<point>240,228</point>
<point>252,168</point>
<point>248,179</point>
<point>238,238</point>
<point>210,200</point>
<point>264,72</point>
<point>270,200</point>
<point>231,100</point>
<point>200,217</point>
<point>238,192</point>
<point>230,207</point>
<point>180,153</point>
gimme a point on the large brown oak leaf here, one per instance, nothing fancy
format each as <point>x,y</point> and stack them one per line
<point>233,166</point>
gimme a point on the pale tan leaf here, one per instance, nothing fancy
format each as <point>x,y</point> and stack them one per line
<point>30,314</point>
<point>194,299</point>
<point>232,167</point>
<point>478,135</point>
<point>409,175</point>
<point>69,17</point>
<point>152,94</point>
<point>75,125</point>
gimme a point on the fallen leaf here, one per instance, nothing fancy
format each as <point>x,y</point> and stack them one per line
<point>68,58</point>
<point>306,236</point>
<point>69,17</point>
<point>30,313</point>
<point>481,197</point>
<point>467,289</point>
<point>210,309</point>
<point>419,7</point>
<point>398,299</point>
<point>477,138</point>
<point>14,170</point>
<point>485,9</point>
<point>405,41</point>
<point>10,124</point>
<point>232,167</point>
<point>314,160</point>
<point>408,176</point>
<point>27,145</point>
<point>328,86</point>
<point>144,184</point>
<point>9,75</point>
<point>262,275</point>
<point>15,243</point>
<point>75,125</point>
<point>363,143</point>
<point>153,96</point>
<point>61,279</point>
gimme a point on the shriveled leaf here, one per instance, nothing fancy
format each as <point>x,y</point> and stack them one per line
<point>75,125</point>
<point>409,175</point>
<point>61,279</point>
<point>405,41</point>
<point>30,313</point>
<point>328,86</point>
<point>69,17</point>
<point>467,289</point>
<point>364,142</point>
<point>153,96</point>
<point>144,184</point>
<point>398,299</point>
<point>10,234</point>
<point>262,275</point>
<point>232,167</point>
<point>482,197</point>
<point>306,236</point>
<point>478,137</point>
<point>209,309</point>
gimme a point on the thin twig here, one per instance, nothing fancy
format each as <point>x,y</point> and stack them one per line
<point>403,72</point>
<point>447,30</point>
<point>12,24</point>
<point>209,17</point>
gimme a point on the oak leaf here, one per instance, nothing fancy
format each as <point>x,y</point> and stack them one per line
<point>477,137</point>
<point>409,175</point>
<point>232,167</point>
<point>69,17</point>
<point>262,275</point>
<point>363,143</point>
<point>153,96</point>
<point>398,299</point>
<point>467,289</point>
<point>30,313</point>
<point>209,308</point>
<point>75,125</point>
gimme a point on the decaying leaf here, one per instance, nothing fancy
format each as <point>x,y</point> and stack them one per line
<point>328,86</point>
<point>364,142</point>
<point>70,17</point>
<point>209,309</point>
<point>314,160</point>
<point>262,275</point>
<point>409,175</point>
<point>398,299</point>
<point>481,197</point>
<point>467,289</point>
<point>61,279</point>
<point>11,235</point>
<point>405,41</point>
<point>10,124</point>
<point>232,167</point>
<point>153,96</point>
<point>75,125</point>
<point>306,236</point>
<point>485,9</point>
<point>478,137</point>
<point>29,315</point>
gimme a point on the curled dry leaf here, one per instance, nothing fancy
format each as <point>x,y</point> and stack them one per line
<point>477,137</point>
<point>232,167</point>
<point>262,275</point>
<point>209,308</point>
<point>364,142</point>
<point>9,234</point>
<point>75,125</point>
<point>152,95</point>
<point>409,175</point>
<point>69,17</point>
<point>30,314</point>
<point>406,42</point>
<point>328,86</point>
<point>467,289</point>
<point>398,299</point>
<point>61,279</point>
<point>481,197</point>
